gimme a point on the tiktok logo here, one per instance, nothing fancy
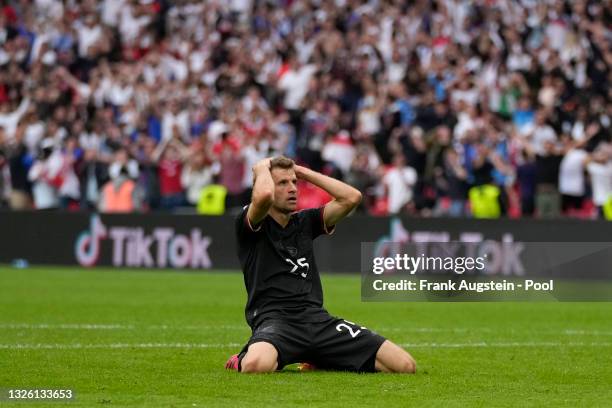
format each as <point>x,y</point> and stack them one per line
<point>301,263</point>
<point>132,247</point>
<point>87,246</point>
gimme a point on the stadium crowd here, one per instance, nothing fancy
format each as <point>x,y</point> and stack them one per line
<point>448,107</point>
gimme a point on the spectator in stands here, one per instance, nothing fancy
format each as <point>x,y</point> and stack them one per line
<point>120,193</point>
<point>541,134</point>
<point>489,174</point>
<point>170,156</point>
<point>148,181</point>
<point>572,183</point>
<point>451,183</point>
<point>198,173</point>
<point>548,161</point>
<point>69,189</point>
<point>294,81</point>
<point>45,175</point>
<point>339,151</point>
<point>9,119</point>
<point>362,177</point>
<point>399,182</point>
<point>4,175</point>
<point>526,177</point>
<point>523,117</point>
<point>92,175</point>
<point>231,172</point>
<point>599,167</point>
<point>19,162</point>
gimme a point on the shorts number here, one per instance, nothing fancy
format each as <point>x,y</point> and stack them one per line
<point>351,330</point>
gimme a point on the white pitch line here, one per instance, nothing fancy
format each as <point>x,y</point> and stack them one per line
<point>431,329</point>
<point>66,326</point>
<point>103,326</point>
<point>484,344</point>
<point>197,327</point>
<point>587,333</point>
<point>96,326</point>
<point>43,346</point>
<point>110,346</point>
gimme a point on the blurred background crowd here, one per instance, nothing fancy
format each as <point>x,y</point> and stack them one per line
<point>478,108</point>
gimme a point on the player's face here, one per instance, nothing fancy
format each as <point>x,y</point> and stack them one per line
<point>285,190</point>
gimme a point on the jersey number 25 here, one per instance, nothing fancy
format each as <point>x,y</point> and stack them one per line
<point>301,263</point>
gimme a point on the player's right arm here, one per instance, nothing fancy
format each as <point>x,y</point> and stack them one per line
<point>263,193</point>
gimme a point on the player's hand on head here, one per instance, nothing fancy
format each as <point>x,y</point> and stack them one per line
<point>300,171</point>
<point>263,164</point>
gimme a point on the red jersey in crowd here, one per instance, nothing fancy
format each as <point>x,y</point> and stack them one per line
<point>170,176</point>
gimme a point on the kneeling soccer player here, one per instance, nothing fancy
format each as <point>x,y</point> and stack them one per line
<point>285,299</point>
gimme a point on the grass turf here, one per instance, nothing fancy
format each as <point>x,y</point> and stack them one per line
<point>160,339</point>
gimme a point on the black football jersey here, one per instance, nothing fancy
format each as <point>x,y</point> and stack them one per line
<point>280,272</point>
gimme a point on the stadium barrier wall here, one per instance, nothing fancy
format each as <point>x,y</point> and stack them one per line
<point>199,243</point>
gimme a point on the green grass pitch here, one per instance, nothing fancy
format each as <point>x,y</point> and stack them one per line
<point>160,339</point>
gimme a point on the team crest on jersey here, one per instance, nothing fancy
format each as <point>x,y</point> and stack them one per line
<point>292,251</point>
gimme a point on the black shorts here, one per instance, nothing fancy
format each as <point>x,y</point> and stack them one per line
<point>332,344</point>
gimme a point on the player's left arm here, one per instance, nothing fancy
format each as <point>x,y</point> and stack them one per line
<point>345,197</point>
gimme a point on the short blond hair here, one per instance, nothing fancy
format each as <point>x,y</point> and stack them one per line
<point>281,162</point>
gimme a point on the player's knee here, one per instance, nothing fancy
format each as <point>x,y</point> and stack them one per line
<point>407,365</point>
<point>394,359</point>
<point>256,364</point>
<point>402,364</point>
